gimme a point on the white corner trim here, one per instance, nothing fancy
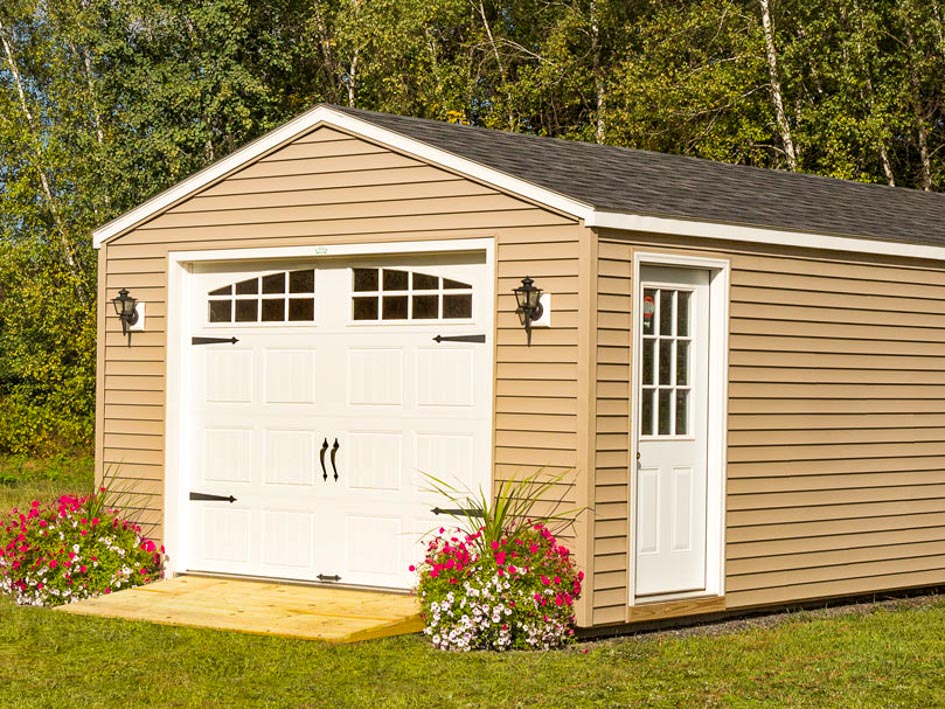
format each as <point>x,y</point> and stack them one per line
<point>759,235</point>
<point>328,116</point>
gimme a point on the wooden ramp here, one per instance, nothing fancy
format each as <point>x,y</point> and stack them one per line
<point>267,608</point>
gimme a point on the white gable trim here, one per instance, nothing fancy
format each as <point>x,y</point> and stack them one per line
<point>327,116</point>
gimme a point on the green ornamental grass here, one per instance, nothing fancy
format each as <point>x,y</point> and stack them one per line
<point>501,580</point>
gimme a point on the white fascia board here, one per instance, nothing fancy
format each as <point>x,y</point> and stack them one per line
<point>757,235</point>
<point>343,121</point>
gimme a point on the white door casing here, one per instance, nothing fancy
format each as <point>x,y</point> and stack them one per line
<point>376,398</point>
<point>679,359</point>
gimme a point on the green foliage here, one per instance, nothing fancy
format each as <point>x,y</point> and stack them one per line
<point>103,103</point>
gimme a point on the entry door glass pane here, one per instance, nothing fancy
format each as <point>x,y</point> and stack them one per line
<point>665,377</point>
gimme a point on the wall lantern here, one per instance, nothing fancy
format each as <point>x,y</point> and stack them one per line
<point>125,308</point>
<point>529,309</point>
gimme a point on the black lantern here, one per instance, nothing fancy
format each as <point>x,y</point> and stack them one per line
<point>529,310</point>
<point>126,311</point>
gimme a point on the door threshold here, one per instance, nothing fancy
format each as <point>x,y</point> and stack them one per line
<point>694,605</point>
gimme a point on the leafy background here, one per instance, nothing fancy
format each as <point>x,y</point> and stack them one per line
<point>103,103</point>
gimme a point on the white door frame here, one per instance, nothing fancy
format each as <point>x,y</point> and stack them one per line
<point>176,413</point>
<point>717,410</point>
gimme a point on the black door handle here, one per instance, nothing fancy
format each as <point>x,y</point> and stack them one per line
<point>321,457</point>
<point>334,452</point>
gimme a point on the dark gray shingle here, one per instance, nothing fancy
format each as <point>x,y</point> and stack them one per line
<point>655,184</point>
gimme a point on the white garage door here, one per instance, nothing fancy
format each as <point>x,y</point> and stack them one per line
<point>347,380</point>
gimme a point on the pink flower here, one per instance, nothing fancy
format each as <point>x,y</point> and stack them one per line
<point>412,567</point>
<point>495,545</point>
<point>500,557</point>
<point>53,564</point>
<point>544,580</point>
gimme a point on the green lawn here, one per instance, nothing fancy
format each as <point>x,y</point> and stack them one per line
<point>889,657</point>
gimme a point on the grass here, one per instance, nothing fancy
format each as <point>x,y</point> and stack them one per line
<point>891,656</point>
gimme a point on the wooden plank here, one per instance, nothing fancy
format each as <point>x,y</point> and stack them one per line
<point>849,316</point>
<point>675,609</point>
<point>764,548</point>
<point>306,150</point>
<point>776,344</point>
<point>890,304</point>
<point>231,235</point>
<point>334,615</point>
<point>836,588</point>
<point>349,195</point>
<point>415,175</point>
<point>759,324</point>
<point>330,164</point>
<point>830,276</point>
<point>930,375</point>
<point>827,482</point>
<point>787,515</point>
<point>763,532</point>
<point>834,557</point>
<point>832,574</point>
<point>826,452</point>
<point>816,436</point>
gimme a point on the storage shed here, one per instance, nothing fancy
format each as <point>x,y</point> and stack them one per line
<point>743,369</point>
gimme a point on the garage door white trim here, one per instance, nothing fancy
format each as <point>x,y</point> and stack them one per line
<point>177,451</point>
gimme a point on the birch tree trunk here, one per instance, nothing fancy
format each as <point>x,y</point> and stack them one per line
<point>54,211</point>
<point>600,98</point>
<point>775,83</point>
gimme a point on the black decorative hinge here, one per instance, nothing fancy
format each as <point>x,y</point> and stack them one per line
<point>460,338</point>
<point>213,340</point>
<point>323,577</point>
<point>473,512</point>
<point>202,496</point>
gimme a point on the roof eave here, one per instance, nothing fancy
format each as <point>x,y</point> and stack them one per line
<point>720,231</point>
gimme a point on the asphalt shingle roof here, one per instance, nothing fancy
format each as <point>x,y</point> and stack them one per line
<point>675,186</point>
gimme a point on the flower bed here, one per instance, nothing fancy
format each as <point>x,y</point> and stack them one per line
<point>517,592</point>
<point>72,549</point>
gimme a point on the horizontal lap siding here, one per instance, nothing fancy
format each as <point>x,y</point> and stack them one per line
<point>836,423</point>
<point>836,473</point>
<point>611,493</point>
<point>328,187</point>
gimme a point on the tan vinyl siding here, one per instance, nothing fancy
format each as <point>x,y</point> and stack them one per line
<point>612,463</point>
<point>331,188</point>
<point>836,423</point>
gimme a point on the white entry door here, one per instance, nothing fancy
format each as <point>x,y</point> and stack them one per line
<point>321,417</point>
<point>670,495</point>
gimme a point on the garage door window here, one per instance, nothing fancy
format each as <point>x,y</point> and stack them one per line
<point>286,296</point>
<point>396,294</point>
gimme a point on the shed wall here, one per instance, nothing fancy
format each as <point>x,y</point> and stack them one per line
<point>331,188</point>
<point>836,424</point>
